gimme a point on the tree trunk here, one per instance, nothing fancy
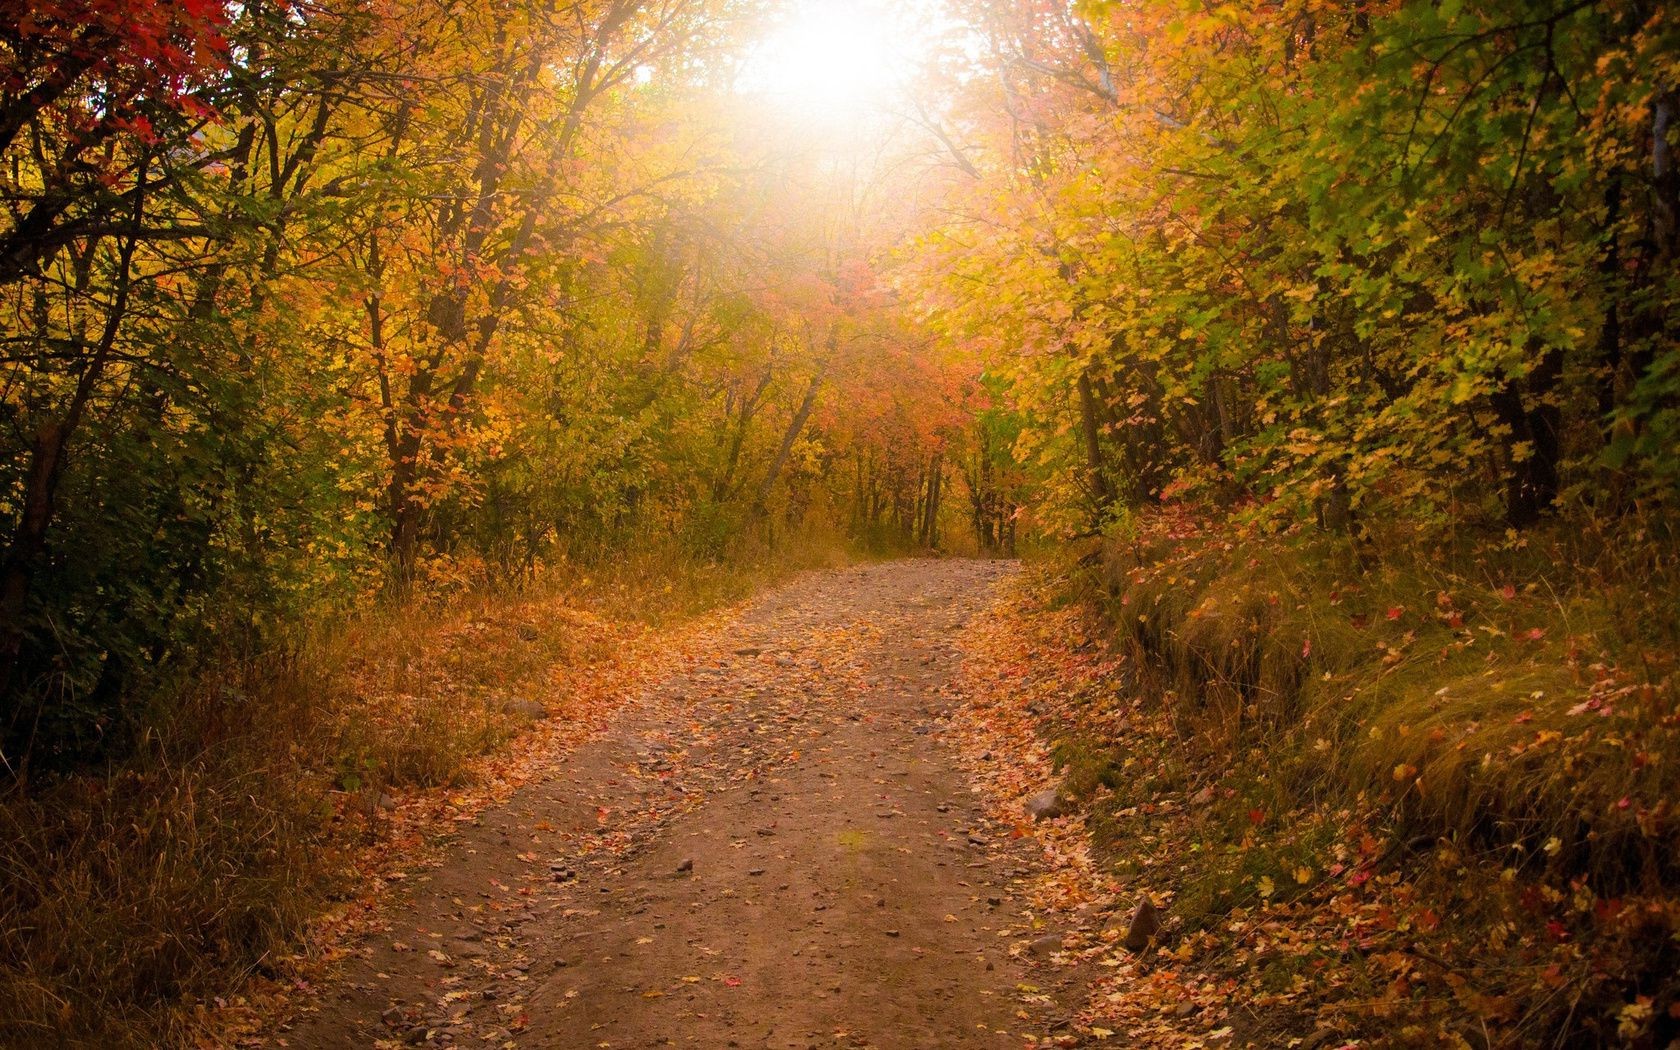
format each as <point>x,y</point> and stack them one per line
<point>791,435</point>
<point>1525,407</point>
<point>1090,421</point>
<point>930,519</point>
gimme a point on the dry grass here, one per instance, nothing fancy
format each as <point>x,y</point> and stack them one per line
<point>1487,728</point>
<point>1515,693</point>
<point>132,896</point>
<point>166,879</point>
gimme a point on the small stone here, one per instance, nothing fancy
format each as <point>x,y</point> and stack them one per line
<point>891,933</point>
<point>755,871</point>
<point>686,864</point>
<point>1046,944</point>
<point>393,1017</point>
<point>1046,805</point>
<point>1145,924</point>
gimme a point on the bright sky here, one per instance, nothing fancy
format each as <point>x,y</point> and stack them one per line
<point>838,59</point>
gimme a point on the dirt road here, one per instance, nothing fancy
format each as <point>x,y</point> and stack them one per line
<point>776,848</point>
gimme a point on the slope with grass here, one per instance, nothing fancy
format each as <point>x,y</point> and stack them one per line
<point>1409,797</point>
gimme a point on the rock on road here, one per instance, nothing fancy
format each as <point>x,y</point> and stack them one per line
<point>776,848</point>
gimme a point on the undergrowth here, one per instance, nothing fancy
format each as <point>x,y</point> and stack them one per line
<point>1443,777</point>
<point>136,896</point>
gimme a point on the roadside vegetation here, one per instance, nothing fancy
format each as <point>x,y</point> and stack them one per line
<point>1423,798</point>
<point>171,893</point>
<point>1340,343</point>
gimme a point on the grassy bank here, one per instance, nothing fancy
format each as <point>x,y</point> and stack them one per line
<point>1410,795</point>
<point>139,898</point>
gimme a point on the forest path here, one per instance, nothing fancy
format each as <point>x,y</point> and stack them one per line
<point>775,848</point>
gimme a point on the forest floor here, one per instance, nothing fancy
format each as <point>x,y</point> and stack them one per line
<point>788,843</point>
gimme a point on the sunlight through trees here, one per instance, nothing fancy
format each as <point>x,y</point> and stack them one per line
<point>311,309</point>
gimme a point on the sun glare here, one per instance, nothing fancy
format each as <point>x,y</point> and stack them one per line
<point>832,58</point>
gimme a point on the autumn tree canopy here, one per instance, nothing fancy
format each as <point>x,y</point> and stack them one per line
<point>303,302</point>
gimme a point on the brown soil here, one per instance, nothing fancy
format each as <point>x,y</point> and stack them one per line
<point>775,848</point>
